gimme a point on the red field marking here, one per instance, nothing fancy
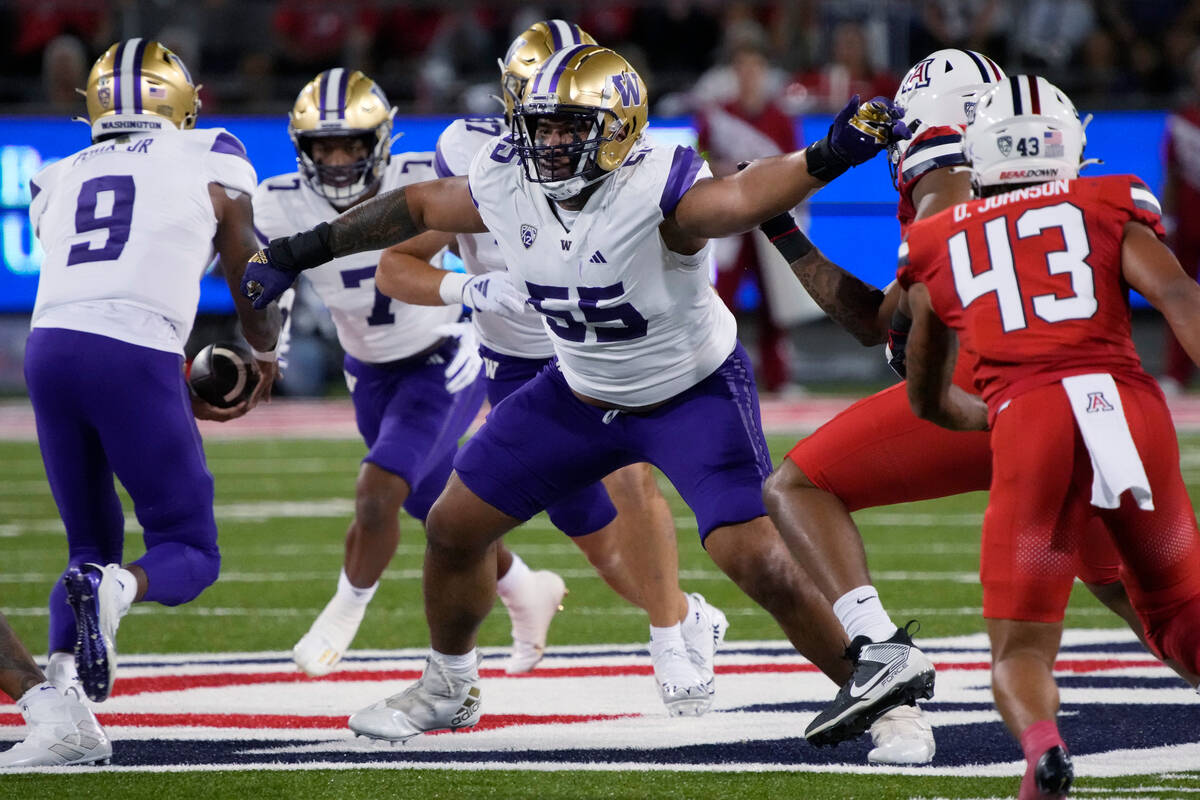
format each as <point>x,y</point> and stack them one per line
<point>174,683</point>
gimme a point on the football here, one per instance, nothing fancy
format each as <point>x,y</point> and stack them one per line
<point>223,374</point>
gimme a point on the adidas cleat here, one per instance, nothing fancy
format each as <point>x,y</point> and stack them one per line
<point>439,700</point>
<point>320,650</point>
<point>683,689</point>
<point>62,733</point>
<point>902,736</point>
<point>531,609</point>
<point>886,674</point>
<point>95,598</point>
<point>703,631</point>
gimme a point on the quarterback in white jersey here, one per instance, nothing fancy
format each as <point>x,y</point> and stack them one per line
<point>412,370</point>
<point>615,230</point>
<point>129,225</point>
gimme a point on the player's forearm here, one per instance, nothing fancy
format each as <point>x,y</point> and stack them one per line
<point>377,223</point>
<point>1180,306</point>
<point>766,188</point>
<point>409,279</point>
<point>849,301</point>
<point>260,328</point>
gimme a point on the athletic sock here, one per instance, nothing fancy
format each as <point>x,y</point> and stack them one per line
<point>510,582</point>
<point>665,637</point>
<point>351,596</point>
<point>466,665</point>
<point>1035,741</point>
<point>861,614</point>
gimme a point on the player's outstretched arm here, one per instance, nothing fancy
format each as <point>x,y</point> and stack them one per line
<point>234,242</point>
<point>405,273</point>
<point>1150,267</point>
<point>388,219</point>
<point>717,207</point>
<point>931,353</point>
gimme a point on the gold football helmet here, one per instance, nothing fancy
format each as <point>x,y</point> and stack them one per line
<point>342,103</point>
<point>530,50</point>
<point>140,85</point>
<point>598,99</point>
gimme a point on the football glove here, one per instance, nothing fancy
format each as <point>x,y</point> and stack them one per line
<point>897,340</point>
<point>495,292</point>
<point>858,132</point>
<point>464,368</point>
<point>270,271</point>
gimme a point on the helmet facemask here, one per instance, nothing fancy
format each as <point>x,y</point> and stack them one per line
<point>564,168</point>
<point>342,184</point>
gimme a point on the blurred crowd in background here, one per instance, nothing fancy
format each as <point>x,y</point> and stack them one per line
<point>439,56</point>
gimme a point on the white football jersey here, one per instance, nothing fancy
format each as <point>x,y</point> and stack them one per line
<point>127,226</point>
<point>632,322</point>
<point>371,326</point>
<point>523,336</point>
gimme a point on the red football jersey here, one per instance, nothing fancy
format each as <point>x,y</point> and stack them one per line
<point>1031,280</point>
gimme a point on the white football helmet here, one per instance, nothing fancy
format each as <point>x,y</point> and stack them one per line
<point>941,89</point>
<point>1025,130</point>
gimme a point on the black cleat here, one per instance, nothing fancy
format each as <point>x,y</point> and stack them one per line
<point>1054,772</point>
<point>886,674</point>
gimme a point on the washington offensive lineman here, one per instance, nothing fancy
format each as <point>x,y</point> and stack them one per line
<point>646,353</point>
<point>129,225</point>
<point>630,538</point>
<point>412,370</point>
<point>1034,278</point>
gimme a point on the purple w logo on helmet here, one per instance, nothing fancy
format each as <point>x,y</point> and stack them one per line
<point>626,84</point>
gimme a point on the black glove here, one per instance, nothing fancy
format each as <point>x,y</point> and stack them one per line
<point>897,340</point>
<point>273,269</point>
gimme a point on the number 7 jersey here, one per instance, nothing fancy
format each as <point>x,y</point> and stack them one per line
<point>130,221</point>
<point>1031,280</point>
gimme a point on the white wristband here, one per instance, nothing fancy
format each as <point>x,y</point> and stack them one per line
<point>451,288</point>
<point>271,355</point>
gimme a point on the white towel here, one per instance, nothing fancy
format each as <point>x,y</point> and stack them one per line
<point>1116,465</point>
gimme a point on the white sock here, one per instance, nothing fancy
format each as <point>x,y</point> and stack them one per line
<point>665,637</point>
<point>861,614</point>
<point>510,582</point>
<point>466,664</point>
<point>351,595</point>
<point>127,581</point>
<point>62,672</point>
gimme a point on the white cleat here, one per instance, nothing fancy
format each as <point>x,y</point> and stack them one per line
<point>94,594</point>
<point>61,733</point>
<point>683,689</point>
<point>531,608</point>
<point>321,649</point>
<point>703,631</point>
<point>439,700</point>
<point>902,736</point>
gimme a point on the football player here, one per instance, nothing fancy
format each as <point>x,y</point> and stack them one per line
<point>1034,279</point>
<point>129,225</point>
<point>62,730</point>
<point>412,370</point>
<point>634,551</point>
<point>877,452</point>
<point>608,233</point>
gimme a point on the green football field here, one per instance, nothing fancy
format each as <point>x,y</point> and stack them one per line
<point>283,506</point>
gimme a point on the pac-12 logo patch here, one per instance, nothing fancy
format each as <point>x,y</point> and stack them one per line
<point>528,234</point>
<point>1004,144</point>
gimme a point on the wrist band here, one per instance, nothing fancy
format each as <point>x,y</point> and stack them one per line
<point>451,288</point>
<point>785,234</point>
<point>270,355</point>
<point>303,250</point>
<point>823,163</point>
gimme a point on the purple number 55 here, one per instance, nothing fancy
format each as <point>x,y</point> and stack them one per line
<point>105,203</point>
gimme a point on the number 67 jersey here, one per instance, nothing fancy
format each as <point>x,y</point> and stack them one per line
<point>1031,279</point>
<point>632,322</point>
<point>128,222</point>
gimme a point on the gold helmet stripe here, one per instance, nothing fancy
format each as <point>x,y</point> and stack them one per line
<point>552,70</point>
<point>127,89</point>
<point>333,93</point>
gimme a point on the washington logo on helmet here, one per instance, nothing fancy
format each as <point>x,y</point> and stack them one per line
<point>626,84</point>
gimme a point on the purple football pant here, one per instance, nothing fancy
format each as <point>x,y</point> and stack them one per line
<point>410,423</point>
<point>579,513</point>
<point>543,443</point>
<point>106,407</point>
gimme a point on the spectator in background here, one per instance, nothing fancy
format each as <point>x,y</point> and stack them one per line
<point>749,126</point>
<point>848,71</point>
<point>1181,212</point>
<point>64,69</point>
<point>312,34</point>
<point>1048,32</point>
<point>962,24</point>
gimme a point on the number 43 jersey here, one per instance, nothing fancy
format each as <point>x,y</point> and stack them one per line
<point>371,326</point>
<point>128,222</point>
<point>632,322</point>
<point>1031,280</point>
